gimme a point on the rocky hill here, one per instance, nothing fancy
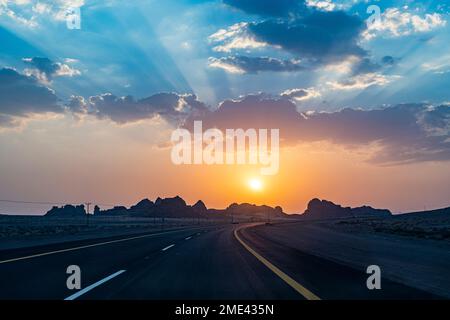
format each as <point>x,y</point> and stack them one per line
<point>251,210</point>
<point>323,209</point>
<point>67,211</point>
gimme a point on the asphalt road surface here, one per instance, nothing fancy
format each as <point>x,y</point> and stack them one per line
<point>219,262</point>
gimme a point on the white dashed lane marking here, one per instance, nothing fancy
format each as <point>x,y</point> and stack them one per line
<point>92,286</point>
<point>168,247</point>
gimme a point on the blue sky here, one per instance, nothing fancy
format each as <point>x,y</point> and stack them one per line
<point>179,60</point>
<point>145,47</point>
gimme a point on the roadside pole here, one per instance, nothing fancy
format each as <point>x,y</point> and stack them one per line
<point>88,204</point>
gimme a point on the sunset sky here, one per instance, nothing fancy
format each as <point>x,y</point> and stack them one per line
<point>363,109</point>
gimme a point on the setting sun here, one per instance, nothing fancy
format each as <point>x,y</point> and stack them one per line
<point>255,184</point>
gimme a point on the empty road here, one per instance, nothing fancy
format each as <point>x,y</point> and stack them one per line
<point>219,262</point>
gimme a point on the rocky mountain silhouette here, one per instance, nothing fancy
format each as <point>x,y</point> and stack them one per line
<point>67,211</point>
<point>323,209</point>
<point>176,207</point>
<point>247,209</point>
<point>116,211</point>
<point>141,208</point>
<point>200,207</point>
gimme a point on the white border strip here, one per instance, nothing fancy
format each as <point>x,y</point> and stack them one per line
<point>91,245</point>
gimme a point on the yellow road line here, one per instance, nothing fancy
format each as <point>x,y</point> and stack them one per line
<point>294,284</point>
<point>89,246</point>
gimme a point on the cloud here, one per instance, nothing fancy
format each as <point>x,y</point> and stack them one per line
<point>316,37</point>
<point>361,73</point>
<point>271,8</point>
<point>9,122</point>
<point>389,60</point>
<point>172,107</point>
<point>361,81</point>
<point>321,36</point>
<point>32,13</point>
<point>438,65</point>
<point>396,23</point>
<point>364,66</point>
<point>22,96</point>
<point>45,69</point>
<point>301,94</point>
<point>253,65</point>
<point>235,37</point>
<point>11,10</point>
<point>42,8</point>
<point>326,5</point>
<point>402,133</point>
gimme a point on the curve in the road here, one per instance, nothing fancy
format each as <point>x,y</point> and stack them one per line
<point>291,282</point>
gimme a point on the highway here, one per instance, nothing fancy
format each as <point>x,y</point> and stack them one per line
<point>219,262</point>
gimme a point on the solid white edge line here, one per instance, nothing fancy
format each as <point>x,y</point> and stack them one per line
<point>168,247</point>
<point>88,246</point>
<point>92,286</point>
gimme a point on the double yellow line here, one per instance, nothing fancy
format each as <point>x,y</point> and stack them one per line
<point>294,284</point>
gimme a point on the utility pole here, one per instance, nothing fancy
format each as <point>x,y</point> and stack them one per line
<point>88,204</point>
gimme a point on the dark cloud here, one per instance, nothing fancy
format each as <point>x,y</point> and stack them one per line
<point>272,8</point>
<point>319,36</point>
<point>170,106</point>
<point>244,64</point>
<point>22,95</point>
<point>46,69</point>
<point>365,73</point>
<point>8,121</point>
<point>404,133</point>
<point>252,111</point>
<point>389,61</point>
<point>300,94</point>
<point>315,37</point>
<point>364,66</point>
<point>42,64</point>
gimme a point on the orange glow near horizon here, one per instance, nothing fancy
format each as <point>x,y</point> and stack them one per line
<point>136,171</point>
